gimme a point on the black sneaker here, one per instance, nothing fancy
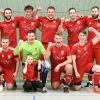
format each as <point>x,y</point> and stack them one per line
<point>3,83</point>
<point>15,85</point>
<point>89,84</point>
<point>66,88</point>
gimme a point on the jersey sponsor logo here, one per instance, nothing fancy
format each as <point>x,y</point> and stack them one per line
<point>98,24</point>
<point>9,56</point>
<point>5,25</point>
<point>32,23</point>
<point>90,22</point>
<point>13,24</point>
<point>70,25</point>
<point>78,22</point>
<point>62,52</point>
<point>2,56</point>
<point>54,21</point>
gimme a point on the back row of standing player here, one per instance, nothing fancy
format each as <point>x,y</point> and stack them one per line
<point>49,25</point>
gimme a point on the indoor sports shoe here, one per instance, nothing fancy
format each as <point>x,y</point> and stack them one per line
<point>66,88</point>
<point>89,84</point>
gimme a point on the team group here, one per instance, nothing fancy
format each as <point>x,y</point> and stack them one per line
<point>73,60</point>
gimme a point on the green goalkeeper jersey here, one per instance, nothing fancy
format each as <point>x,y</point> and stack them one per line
<point>36,49</point>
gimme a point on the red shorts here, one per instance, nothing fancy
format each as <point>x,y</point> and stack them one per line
<point>97,55</point>
<point>55,76</point>
<point>82,70</point>
<point>8,75</point>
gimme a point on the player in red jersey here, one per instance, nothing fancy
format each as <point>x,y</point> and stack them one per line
<point>60,58</point>
<point>74,25</point>
<point>80,56</point>
<point>30,75</point>
<point>27,22</point>
<point>9,63</point>
<point>1,86</point>
<point>8,27</point>
<point>93,21</point>
<point>49,26</point>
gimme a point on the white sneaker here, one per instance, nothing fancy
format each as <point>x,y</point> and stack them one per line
<point>44,89</point>
<point>1,88</point>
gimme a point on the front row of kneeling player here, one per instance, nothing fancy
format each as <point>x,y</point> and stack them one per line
<point>62,60</point>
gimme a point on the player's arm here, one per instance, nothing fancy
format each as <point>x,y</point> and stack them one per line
<point>25,68</point>
<point>2,13</point>
<point>48,52</point>
<point>96,39</point>
<point>60,28</point>
<point>35,11</point>
<point>75,66</point>
<point>68,61</point>
<point>17,67</point>
<point>18,48</point>
<point>0,36</point>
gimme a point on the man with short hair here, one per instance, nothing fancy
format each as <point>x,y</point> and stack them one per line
<point>49,26</point>
<point>60,57</point>
<point>9,63</point>
<point>93,21</point>
<point>80,57</point>
<point>27,22</point>
<point>33,47</point>
<point>73,25</point>
<point>8,27</point>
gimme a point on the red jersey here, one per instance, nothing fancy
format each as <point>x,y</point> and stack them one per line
<point>7,60</point>
<point>31,73</point>
<point>49,28</point>
<point>82,53</point>
<point>95,24</point>
<point>74,28</point>
<point>25,25</point>
<point>9,29</point>
<point>59,54</point>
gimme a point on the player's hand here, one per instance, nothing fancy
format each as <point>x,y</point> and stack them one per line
<point>91,29</point>
<point>15,75</point>
<point>62,19</point>
<point>50,44</point>
<point>20,42</point>
<point>57,68</point>
<point>77,75</point>
<point>39,8</point>
<point>2,12</point>
<point>39,65</point>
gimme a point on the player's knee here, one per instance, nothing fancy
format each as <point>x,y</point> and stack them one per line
<point>55,85</point>
<point>69,68</point>
<point>27,86</point>
<point>76,88</point>
<point>9,86</point>
<point>96,68</point>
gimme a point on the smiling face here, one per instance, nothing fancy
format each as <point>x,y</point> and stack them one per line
<point>5,43</point>
<point>7,14</point>
<point>29,59</point>
<point>31,37</point>
<point>28,13</point>
<point>72,14</point>
<point>51,13</point>
<point>94,13</point>
<point>82,37</point>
